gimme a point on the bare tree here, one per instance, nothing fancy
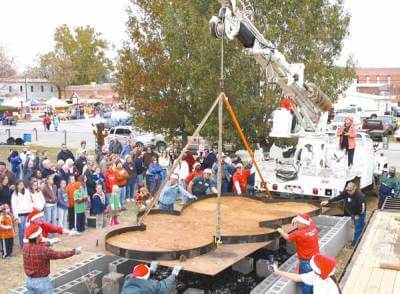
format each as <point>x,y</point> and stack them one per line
<point>7,64</point>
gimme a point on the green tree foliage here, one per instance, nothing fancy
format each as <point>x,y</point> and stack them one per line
<point>79,57</point>
<point>86,50</point>
<point>169,66</point>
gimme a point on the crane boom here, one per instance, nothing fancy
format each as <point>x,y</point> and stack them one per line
<point>234,21</point>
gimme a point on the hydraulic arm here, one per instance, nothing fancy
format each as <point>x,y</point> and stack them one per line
<point>234,21</point>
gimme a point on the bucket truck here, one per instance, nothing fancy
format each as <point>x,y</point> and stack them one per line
<point>317,168</point>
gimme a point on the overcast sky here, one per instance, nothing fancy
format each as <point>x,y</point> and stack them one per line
<point>27,27</point>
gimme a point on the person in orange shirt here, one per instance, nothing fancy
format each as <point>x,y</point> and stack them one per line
<point>240,179</point>
<point>6,231</point>
<point>71,188</point>
<point>121,180</point>
<point>289,104</point>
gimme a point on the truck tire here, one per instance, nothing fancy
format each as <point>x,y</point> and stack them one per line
<point>160,146</point>
<point>140,145</point>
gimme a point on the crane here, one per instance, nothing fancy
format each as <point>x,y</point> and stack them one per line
<point>310,105</point>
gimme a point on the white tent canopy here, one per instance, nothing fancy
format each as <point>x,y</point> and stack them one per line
<point>15,102</point>
<point>55,102</point>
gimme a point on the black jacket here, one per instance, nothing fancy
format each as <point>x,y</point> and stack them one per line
<point>64,155</point>
<point>355,204</point>
<point>131,169</point>
<point>79,164</point>
<point>90,183</point>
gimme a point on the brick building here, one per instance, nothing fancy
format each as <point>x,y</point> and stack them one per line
<point>379,81</point>
<point>103,92</point>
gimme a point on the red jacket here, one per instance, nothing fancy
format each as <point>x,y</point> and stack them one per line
<point>192,175</point>
<point>50,229</point>
<point>242,179</point>
<point>110,179</point>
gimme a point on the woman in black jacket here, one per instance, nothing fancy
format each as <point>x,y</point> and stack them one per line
<point>5,192</point>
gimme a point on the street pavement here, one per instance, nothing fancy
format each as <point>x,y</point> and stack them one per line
<point>78,130</point>
<point>75,130</point>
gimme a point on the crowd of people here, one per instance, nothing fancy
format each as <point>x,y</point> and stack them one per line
<point>47,197</point>
<point>77,185</point>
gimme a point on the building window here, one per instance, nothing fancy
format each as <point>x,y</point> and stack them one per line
<point>367,79</point>
<point>378,79</point>
<point>389,78</point>
<point>41,88</point>
<point>21,88</point>
<point>10,89</point>
<point>31,88</point>
<point>51,89</point>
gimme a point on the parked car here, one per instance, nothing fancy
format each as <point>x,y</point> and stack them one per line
<point>390,122</point>
<point>395,111</point>
<point>338,120</point>
<point>116,118</point>
<point>375,129</point>
<point>136,136</point>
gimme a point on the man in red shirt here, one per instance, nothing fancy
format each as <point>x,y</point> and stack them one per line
<point>306,239</point>
<point>37,258</point>
<point>240,179</point>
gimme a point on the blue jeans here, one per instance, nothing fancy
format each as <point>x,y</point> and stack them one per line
<point>305,267</point>
<point>122,194</point>
<point>130,190</point>
<point>154,187</point>
<point>165,207</point>
<point>39,286</point>
<point>63,217</point>
<point>224,186</point>
<point>139,180</point>
<point>21,229</point>
<point>50,214</point>
<point>358,227</point>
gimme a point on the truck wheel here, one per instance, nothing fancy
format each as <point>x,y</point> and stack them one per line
<point>161,146</point>
<point>140,145</point>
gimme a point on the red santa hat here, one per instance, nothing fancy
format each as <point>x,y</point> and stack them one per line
<point>34,215</point>
<point>141,271</point>
<point>303,218</point>
<point>323,265</point>
<point>32,232</point>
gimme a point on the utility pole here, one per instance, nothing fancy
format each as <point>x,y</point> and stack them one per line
<point>26,90</point>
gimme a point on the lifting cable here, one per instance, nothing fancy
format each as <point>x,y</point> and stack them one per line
<point>218,241</point>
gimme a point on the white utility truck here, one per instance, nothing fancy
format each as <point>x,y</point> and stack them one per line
<point>317,167</point>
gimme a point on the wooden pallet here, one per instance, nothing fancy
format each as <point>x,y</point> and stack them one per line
<point>380,243</point>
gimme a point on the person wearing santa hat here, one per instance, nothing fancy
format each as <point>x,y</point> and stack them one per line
<point>197,171</point>
<point>306,239</point>
<point>321,277</point>
<point>202,185</point>
<point>36,260</point>
<point>139,280</point>
<point>170,192</point>
<point>240,178</point>
<point>36,217</point>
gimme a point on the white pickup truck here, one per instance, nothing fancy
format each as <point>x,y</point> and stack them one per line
<point>136,136</point>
